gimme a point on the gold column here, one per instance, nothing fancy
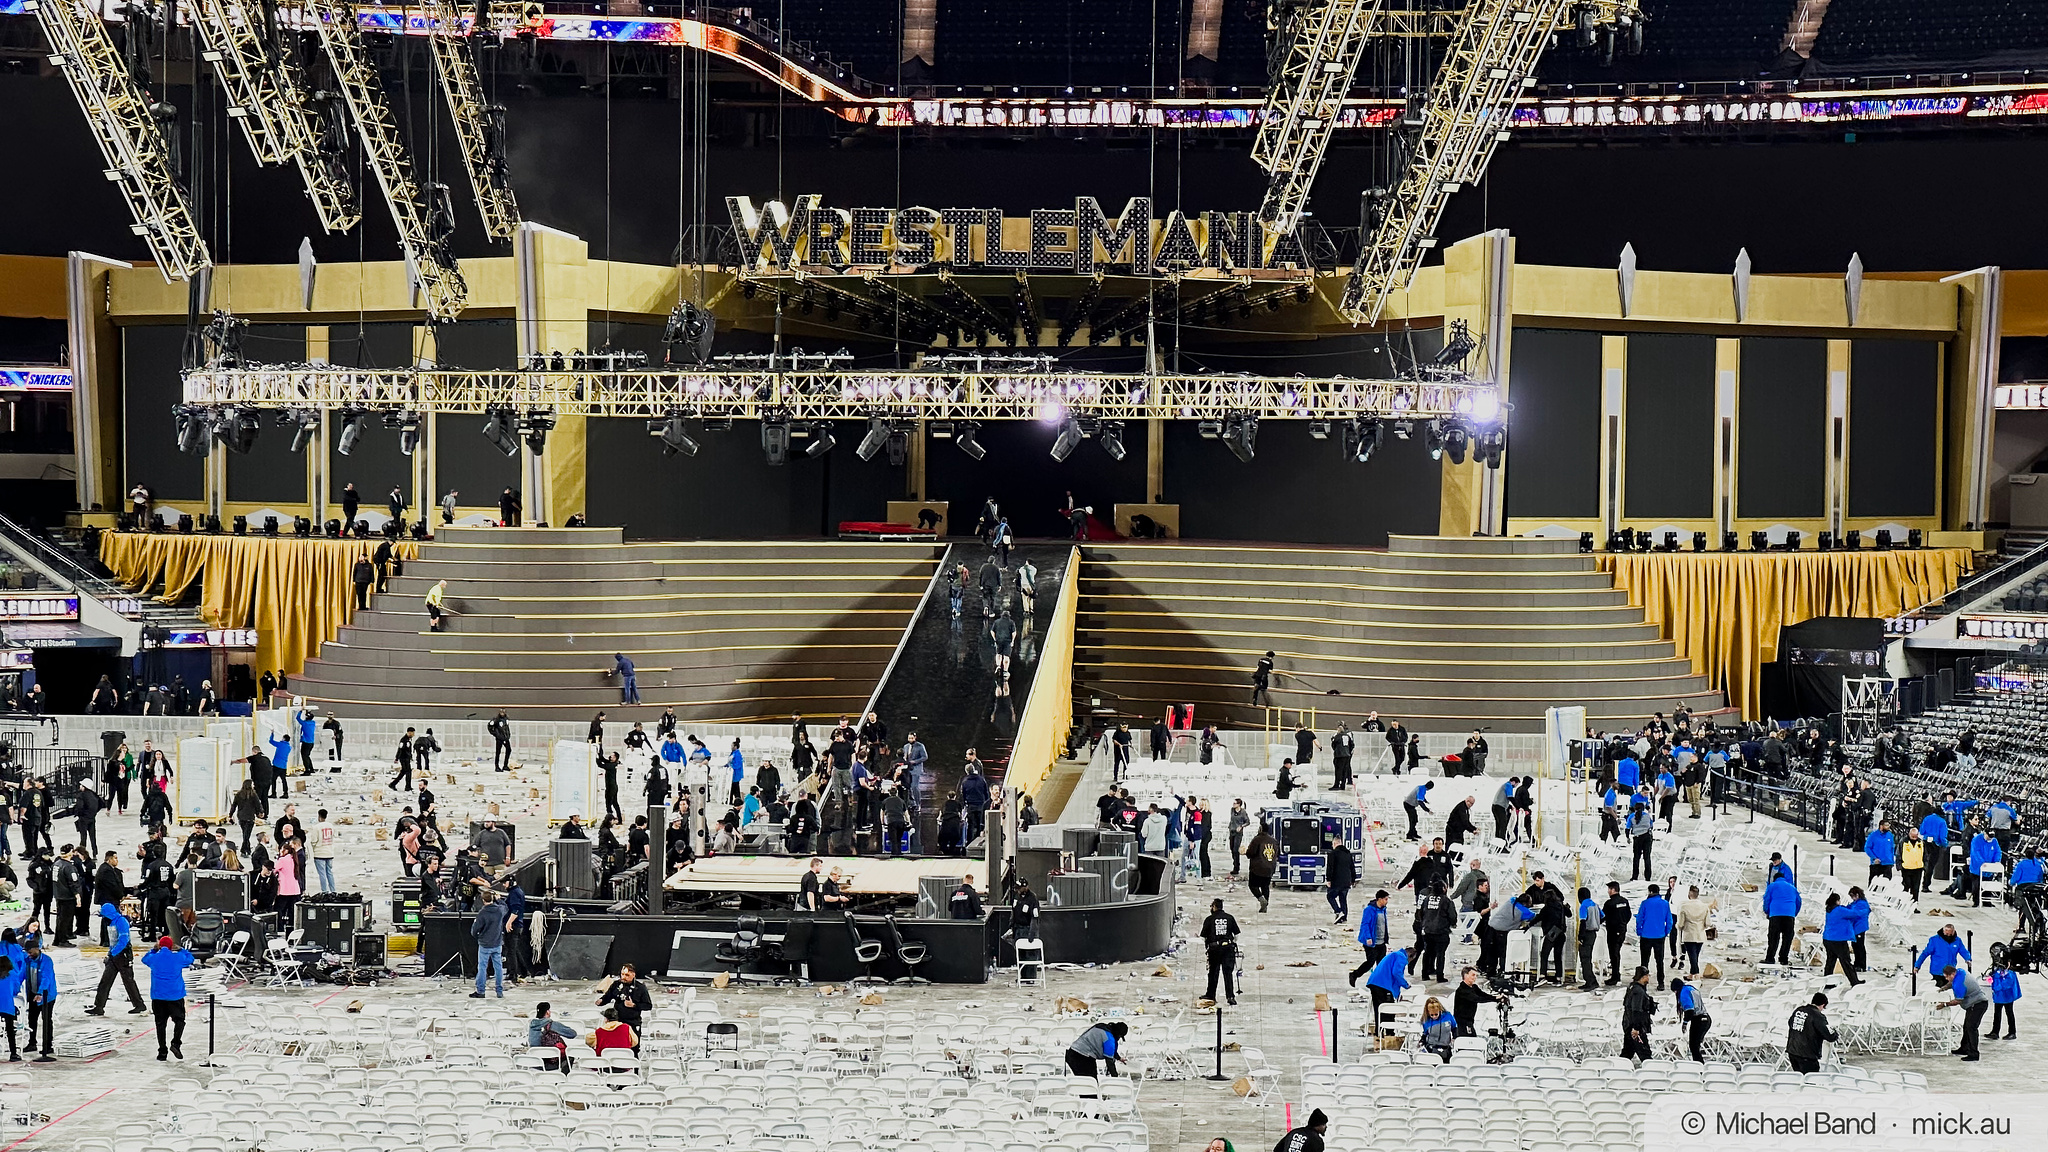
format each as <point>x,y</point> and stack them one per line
<point>318,348</point>
<point>1613,428</point>
<point>913,464</point>
<point>1727,389</point>
<point>96,413</point>
<point>552,310</point>
<point>1972,365</point>
<point>1477,283</point>
<point>1837,439</point>
<point>1155,461</point>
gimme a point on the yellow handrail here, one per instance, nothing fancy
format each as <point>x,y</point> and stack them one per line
<point>1049,712</point>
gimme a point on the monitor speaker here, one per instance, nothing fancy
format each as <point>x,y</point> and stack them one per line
<point>581,957</point>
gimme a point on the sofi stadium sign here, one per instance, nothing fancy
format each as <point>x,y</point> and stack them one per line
<point>1082,239</point>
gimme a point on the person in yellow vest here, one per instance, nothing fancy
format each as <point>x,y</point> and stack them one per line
<point>436,612</point>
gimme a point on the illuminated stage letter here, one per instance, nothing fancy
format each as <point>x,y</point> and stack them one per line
<point>1177,247</point>
<point>867,238</point>
<point>778,232</point>
<point>992,249</point>
<point>959,223</point>
<point>1052,238</point>
<point>917,236</point>
<point>1231,239</point>
<point>825,231</point>
<point>1132,229</point>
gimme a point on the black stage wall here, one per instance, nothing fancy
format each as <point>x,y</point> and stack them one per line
<point>1553,461</point>
<point>1781,411</point>
<point>1894,427</point>
<point>1669,461</point>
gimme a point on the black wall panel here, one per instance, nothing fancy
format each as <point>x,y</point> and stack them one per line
<point>728,489</point>
<point>1781,417</point>
<point>151,357</point>
<point>1669,470</point>
<point>1894,387</point>
<point>1553,461</point>
<point>1299,489</point>
<point>1027,484</point>
<point>468,463</point>
<point>477,344</point>
<point>270,473</point>
<point>376,463</point>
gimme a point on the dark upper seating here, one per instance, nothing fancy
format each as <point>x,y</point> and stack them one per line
<point>1944,31</point>
<point>863,33</point>
<point>1058,42</point>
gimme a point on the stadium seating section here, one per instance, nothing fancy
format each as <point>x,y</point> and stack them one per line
<point>1939,31</point>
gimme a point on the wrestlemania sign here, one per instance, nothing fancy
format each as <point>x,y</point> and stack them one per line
<point>1082,240</point>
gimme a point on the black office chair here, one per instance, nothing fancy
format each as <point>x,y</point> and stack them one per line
<point>795,949</point>
<point>910,952</point>
<point>744,947</point>
<point>865,951</point>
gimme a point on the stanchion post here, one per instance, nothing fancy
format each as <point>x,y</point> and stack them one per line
<point>210,1001</point>
<point>1795,863</point>
<point>1333,1036</point>
<point>1913,961</point>
<point>1219,1049</point>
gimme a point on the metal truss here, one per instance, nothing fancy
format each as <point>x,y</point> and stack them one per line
<point>479,127</point>
<point>1466,115</point>
<point>268,98</point>
<point>947,394</point>
<point>128,134</point>
<point>1306,98</point>
<point>433,269</point>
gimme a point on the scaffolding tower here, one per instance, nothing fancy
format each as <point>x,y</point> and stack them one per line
<point>1328,41</point>
<point>479,126</point>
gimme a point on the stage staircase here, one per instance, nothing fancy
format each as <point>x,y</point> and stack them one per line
<point>720,631</point>
<point>1446,633</point>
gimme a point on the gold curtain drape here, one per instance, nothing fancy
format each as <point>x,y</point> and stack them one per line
<point>297,593</point>
<point>1724,609</point>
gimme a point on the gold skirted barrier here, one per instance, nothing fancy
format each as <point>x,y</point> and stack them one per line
<point>1723,610</point>
<point>1049,712</point>
<point>296,592</point>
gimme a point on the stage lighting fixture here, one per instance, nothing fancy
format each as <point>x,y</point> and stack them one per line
<point>688,334</point>
<point>302,526</point>
<point>1362,438</point>
<point>1069,439</point>
<point>775,441</point>
<point>185,522</point>
<point>1241,436</point>
<point>241,525</point>
<point>236,429</point>
<point>897,447</point>
<point>1319,429</point>
<point>675,439</point>
<point>408,425</point>
<point>822,440</point>
<point>333,529</point>
<point>1825,542</point>
<point>1459,346</point>
<point>195,431</point>
<point>419,530</point>
<point>1433,439</point>
<point>1670,543</point>
<point>1402,429</point>
<point>1642,541</point>
<point>1884,539</point>
<point>1853,539</point>
<point>967,437</point>
<point>1618,541</point>
<point>305,424</point>
<point>498,430</point>
<point>1791,541</point>
<point>1759,540</point>
<point>1210,429</point>
<point>1730,542</point>
<point>270,525</point>
<point>209,523</point>
<point>1585,541</point>
<point>534,428</point>
<point>1699,541</point>
<point>1112,438</point>
<point>878,435</point>
<point>1455,442</point>
<point>352,423</point>
<point>361,529</point>
<point>939,429</point>
<point>1914,538</point>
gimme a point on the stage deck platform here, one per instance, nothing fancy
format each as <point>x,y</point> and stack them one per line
<point>864,875</point>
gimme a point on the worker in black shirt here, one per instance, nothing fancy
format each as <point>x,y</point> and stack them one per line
<point>1465,1004</point>
<point>1615,915</point>
<point>1219,937</point>
<point>1308,1137</point>
<point>1262,678</point>
<point>629,995</point>
<point>808,890</point>
<point>1024,912</point>
<point>965,903</point>
<point>1805,1032</point>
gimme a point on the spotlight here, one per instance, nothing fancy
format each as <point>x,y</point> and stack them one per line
<point>1241,436</point>
<point>1491,445</point>
<point>408,425</point>
<point>333,529</point>
<point>1112,438</point>
<point>361,528</point>
<point>499,431</point>
<point>1618,541</point>
<point>1362,438</point>
<point>967,437</point>
<point>1670,543</point>
<point>195,433</point>
<point>1459,346</point>
<point>688,334</point>
<point>1791,541</point>
<point>301,526</point>
<point>306,425</point>
<point>872,443</point>
<point>1853,539</point>
<point>237,429</point>
<point>674,439</point>
<point>822,440</point>
<point>352,422</point>
<point>1759,540</point>
<point>1914,538</point>
<point>1069,439</point>
<point>1699,541</point>
<point>241,525</point>
<point>1884,539</point>
<point>209,523</point>
<point>1319,429</point>
<point>534,427</point>
<point>1585,541</point>
<point>1402,429</point>
<point>897,446</point>
<point>775,440</point>
<point>1825,542</point>
<point>185,523</point>
<point>270,525</point>
<point>1642,541</point>
<point>1730,542</point>
<point>1433,439</point>
<point>1210,429</point>
<point>1455,441</point>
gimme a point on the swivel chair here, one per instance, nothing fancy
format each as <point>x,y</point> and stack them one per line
<point>910,953</point>
<point>865,952</point>
<point>744,947</point>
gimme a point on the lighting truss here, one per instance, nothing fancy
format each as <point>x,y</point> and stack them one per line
<point>1303,104</point>
<point>267,97</point>
<point>482,155</point>
<point>439,279</point>
<point>929,393</point>
<point>128,135</point>
<point>1465,115</point>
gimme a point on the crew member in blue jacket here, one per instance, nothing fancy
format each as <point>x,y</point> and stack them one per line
<point>1778,869</point>
<point>1610,815</point>
<point>13,969</point>
<point>1859,905</point>
<point>1102,1042</point>
<point>1883,849</point>
<point>120,963</point>
<point>2027,871</point>
<point>1372,932</point>
<point>1628,775</point>
<point>1984,850</point>
<point>1417,801</point>
<point>309,734</point>
<point>1388,980</point>
<point>1653,924</point>
<point>2005,992</point>
<point>39,982</point>
<point>1781,906</point>
<point>167,963</point>
<point>1642,828</point>
<point>1838,935</point>
<point>1692,1010</point>
<point>1944,949</point>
